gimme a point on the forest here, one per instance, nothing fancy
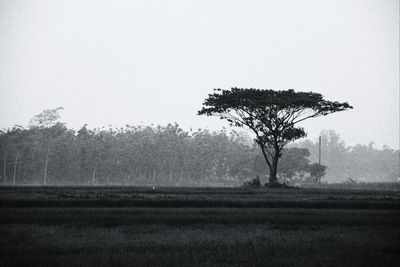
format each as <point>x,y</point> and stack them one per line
<point>52,154</point>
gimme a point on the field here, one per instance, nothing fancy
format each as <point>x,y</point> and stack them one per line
<point>132,226</point>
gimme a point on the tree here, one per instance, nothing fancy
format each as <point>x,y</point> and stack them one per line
<point>3,147</point>
<point>317,171</point>
<point>46,118</point>
<point>47,121</point>
<point>294,162</point>
<point>271,115</point>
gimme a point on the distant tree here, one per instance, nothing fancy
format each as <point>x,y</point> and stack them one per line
<point>241,157</point>
<point>271,115</point>
<point>46,118</point>
<point>18,141</point>
<point>294,162</point>
<point>3,147</point>
<point>361,162</point>
<point>317,171</point>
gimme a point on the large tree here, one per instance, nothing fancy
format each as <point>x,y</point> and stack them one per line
<point>272,115</point>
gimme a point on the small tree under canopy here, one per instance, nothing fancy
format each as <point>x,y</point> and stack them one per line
<point>317,171</point>
<point>271,115</point>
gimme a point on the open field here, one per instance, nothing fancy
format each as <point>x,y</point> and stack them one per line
<point>120,226</point>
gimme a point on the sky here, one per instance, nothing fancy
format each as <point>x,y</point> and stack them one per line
<point>142,62</point>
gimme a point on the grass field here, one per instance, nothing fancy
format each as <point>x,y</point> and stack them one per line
<point>120,226</point>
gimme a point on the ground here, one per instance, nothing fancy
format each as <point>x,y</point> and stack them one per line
<point>132,226</point>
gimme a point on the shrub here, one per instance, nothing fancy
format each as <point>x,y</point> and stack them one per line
<point>253,183</point>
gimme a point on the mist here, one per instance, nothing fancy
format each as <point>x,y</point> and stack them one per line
<point>154,62</point>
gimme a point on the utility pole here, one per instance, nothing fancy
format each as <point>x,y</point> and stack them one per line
<point>319,150</point>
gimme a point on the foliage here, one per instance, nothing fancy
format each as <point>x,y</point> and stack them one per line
<point>294,163</point>
<point>131,155</point>
<point>317,171</point>
<point>362,163</point>
<point>271,115</point>
<point>253,183</point>
<point>170,156</point>
<point>46,118</point>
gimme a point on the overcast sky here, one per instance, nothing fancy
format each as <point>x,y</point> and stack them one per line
<point>142,62</point>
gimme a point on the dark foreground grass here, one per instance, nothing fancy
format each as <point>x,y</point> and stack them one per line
<point>198,245</point>
<point>114,217</point>
<point>196,235</point>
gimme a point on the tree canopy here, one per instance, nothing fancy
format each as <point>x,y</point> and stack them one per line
<point>135,155</point>
<point>272,115</point>
<point>46,118</point>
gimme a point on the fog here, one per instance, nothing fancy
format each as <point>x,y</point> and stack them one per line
<point>143,62</point>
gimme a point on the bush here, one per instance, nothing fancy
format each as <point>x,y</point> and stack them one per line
<point>253,183</point>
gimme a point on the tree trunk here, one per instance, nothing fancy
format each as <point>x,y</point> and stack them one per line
<point>264,152</point>
<point>15,168</point>
<point>273,170</point>
<point>94,174</point>
<point>4,168</point>
<point>154,177</point>
<point>272,175</point>
<point>45,166</point>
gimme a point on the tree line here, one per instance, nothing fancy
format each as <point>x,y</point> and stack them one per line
<point>168,155</point>
<point>131,155</point>
<point>360,163</point>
